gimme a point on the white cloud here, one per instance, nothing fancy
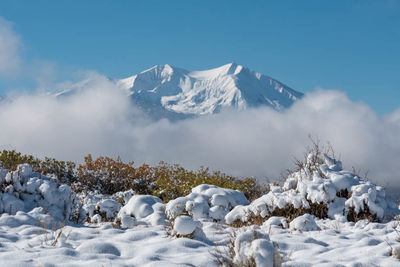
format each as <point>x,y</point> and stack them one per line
<point>258,142</point>
<point>10,45</point>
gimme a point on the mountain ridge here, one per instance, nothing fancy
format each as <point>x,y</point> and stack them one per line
<point>165,91</point>
<point>205,92</point>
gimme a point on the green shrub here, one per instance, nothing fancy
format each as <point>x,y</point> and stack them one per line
<point>9,159</point>
<point>108,176</point>
<point>174,181</point>
<point>166,181</point>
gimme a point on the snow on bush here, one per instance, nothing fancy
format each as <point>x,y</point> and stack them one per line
<point>396,252</point>
<point>24,190</point>
<point>320,187</point>
<point>145,208</point>
<point>102,208</point>
<point>303,223</point>
<point>280,222</point>
<point>185,225</point>
<point>253,246</point>
<point>207,202</point>
<point>99,208</point>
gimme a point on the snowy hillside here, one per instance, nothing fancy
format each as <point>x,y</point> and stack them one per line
<point>168,89</point>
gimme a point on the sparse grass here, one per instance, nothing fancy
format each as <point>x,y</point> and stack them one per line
<point>336,226</point>
<point>352,216</point>
<point>396,252</point>
<point>226,257</point>
<point>50,238</point>
<point>313,157</point>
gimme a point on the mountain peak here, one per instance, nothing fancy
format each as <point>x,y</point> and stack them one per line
<point>233,68</point>
<point>164,91</point>
<point>166,68</point>
<point>229,69</point>
<point>183,92</point>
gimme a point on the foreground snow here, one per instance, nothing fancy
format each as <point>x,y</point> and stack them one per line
<point>336,244</point>
<point>126,229</point>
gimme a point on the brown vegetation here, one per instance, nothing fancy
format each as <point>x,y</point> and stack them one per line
<point>108,176</point>
<point>319,210</point>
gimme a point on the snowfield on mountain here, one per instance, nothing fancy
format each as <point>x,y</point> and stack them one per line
<point>321,216</point>
<point>164,91</point>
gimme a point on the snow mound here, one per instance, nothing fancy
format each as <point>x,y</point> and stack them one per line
<point>185,225</point>
<point>323,189</point>
<point>396,252</point>
<point>27,191</point>
<point>303,223</point>
<point>145,208</point>
<point>207,202</point>
<point>256,245</point>
<point>94,247</point>
<point>275,221</point>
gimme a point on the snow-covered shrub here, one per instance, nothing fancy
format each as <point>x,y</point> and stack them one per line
<point>108,176</point>
<point>396,248</point>
<point>103,208</point>
<point>185,226</point>
<point>207,202</point>
<point>303,223</point>
<point>249,247</point>
<point>25,190</point>
<point>64,171</point>
<point>319,187</point>
<point>254,245</point>
<point>396,252</point>
<point>173,181</point>
<point>280,222</point>
<point>142,208</point>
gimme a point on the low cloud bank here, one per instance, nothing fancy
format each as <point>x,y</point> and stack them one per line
<point>99,119</point>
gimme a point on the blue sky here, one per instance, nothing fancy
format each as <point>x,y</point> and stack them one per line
<point>349,45</point>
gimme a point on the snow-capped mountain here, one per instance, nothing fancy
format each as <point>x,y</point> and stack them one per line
<point>164,88</point>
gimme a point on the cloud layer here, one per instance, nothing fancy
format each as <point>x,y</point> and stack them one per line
<point>99,119</point>
<point>10,45</point>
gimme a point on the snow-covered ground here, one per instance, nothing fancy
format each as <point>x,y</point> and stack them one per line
<point>23,243</point>
<point>43,223</point>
